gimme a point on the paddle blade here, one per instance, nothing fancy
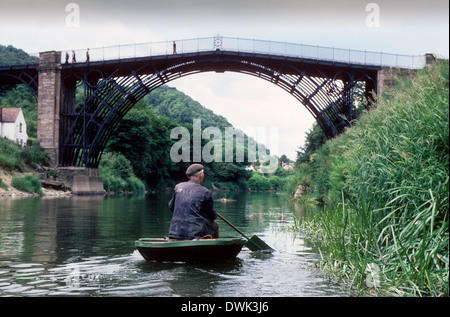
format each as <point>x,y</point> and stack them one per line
<point>256,244</point>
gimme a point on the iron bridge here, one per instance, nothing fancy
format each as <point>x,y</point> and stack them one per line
<point>324,80</point>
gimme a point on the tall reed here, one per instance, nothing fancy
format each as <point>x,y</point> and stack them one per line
<point>386,185</point>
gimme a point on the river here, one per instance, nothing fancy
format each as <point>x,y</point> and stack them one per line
<point>84,246</point>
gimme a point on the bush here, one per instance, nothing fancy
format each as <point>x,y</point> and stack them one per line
<point>277,183</point>
<point>29,184</point>
<point>9,155</point>
<point>134,185</point>
<point>13,157</point>
<point>113,183</point>
<point>118,175</point>
<point>258,182</point>
<point>230,186</point>
<point>34,154</point>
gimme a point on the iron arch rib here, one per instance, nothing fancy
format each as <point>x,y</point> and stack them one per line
<point>27,76</point>
<point>113,90</point>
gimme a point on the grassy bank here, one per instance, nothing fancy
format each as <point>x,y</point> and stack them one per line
<point>385,186</point>
<point>14,158</point>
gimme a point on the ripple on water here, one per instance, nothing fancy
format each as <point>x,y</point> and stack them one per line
<point>103,262</point>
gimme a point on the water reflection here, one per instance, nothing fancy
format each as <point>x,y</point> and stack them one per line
<point>84,246</point>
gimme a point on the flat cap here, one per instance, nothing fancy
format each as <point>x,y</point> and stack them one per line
<point>194,169</point>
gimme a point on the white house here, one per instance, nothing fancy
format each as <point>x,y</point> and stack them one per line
<point>288,166</point>
<point>13,125</point>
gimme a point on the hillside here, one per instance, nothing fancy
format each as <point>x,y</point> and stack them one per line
<point>178,107</point>
<point>9,55</point>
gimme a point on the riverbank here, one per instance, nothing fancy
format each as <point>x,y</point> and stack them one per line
<point>11,192</point>
<point>384,187</point>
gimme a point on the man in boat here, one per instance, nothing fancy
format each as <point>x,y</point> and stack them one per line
<point>193,208</point>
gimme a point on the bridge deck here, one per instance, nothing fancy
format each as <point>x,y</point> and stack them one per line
<point>253,46</point>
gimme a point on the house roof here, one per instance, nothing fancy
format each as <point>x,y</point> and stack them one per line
<point>8,115</point>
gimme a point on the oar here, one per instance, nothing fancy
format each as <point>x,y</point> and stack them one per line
<point>254,244</point>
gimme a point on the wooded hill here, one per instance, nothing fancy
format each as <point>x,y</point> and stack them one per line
<point>9,55</point>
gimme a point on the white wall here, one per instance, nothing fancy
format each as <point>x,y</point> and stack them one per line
<point>20,129</point>
<point>13,132</point>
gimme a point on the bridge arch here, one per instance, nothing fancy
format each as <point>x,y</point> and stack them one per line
<point>112,89</point>
<point>29,78</point>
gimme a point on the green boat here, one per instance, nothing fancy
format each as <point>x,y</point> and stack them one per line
<point>203,250</point>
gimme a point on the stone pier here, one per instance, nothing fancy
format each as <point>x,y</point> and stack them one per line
<point>57,96</point>
<point>49,102</point>
<point>81,181</point>
<point>388,77</point>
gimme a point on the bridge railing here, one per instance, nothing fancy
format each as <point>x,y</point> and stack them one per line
<point>254,46</point>
<point>105,53</point>
<point>322,53</point>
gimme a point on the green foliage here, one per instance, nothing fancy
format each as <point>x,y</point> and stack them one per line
<point>294,181</point>
<point>13,157</point>
<point>233,175</point>
<point>29,184</point>
<point>118,175</point>
<point>276,183</point>
<point>229,186</point>
<point>10,55</point>
<point>9,155</point>
<point>178,107</point>
<point>386,185</point>
<point>258,182</point>
<point>34,154</point>
<point>143,138</point>
<point>315,138</point>
<point>3,185</point>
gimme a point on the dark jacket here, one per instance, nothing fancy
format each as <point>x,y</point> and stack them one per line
<point>193,211</point>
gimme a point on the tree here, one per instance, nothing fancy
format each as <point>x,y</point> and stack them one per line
<point>142,137</point>
<point>315,138</point>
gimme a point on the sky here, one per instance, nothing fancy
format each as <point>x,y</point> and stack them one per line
<point>397,26</point>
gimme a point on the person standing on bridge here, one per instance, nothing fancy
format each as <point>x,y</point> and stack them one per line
<point>193,208</point>
<point>174,47</point>
<point>74,57</point>
<point>87,56</point>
